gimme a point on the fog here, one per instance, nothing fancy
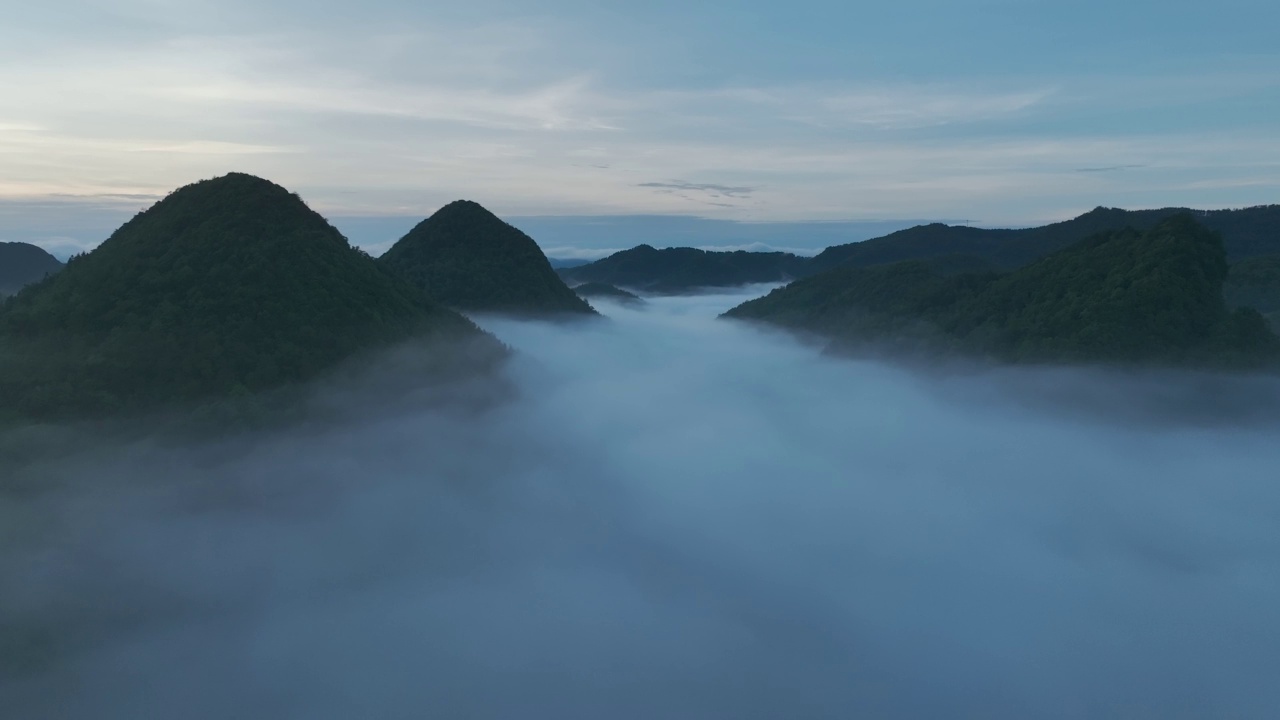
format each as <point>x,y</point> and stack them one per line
<point>672,517</point>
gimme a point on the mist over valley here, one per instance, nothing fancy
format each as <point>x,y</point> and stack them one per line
<point>670,515</point>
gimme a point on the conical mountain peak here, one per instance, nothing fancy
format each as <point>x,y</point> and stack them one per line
<point>466,257</point>
<point>225,286</point>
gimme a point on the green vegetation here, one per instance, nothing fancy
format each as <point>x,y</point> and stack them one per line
<point>1248,232</point>
<point>465,257</point>
<point>22,264</point>
<point>605,290</point>
<point>1255,283</point>
<point>1124,297</point>
<point>676,270</point>
<point>225,288</point>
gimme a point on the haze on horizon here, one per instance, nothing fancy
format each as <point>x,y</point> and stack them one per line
<point>998,112</point>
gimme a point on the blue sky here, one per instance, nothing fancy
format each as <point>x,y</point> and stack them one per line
<point>1000,112</point>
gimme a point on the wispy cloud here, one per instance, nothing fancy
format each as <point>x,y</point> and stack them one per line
<point>919,107</point>
<point>710,188</point>
<point>371,114</point>
<point>1108,168</point>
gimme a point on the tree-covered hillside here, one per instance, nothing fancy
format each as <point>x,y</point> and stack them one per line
<point>1255,283</point>
<point>466,257</point>
<point>1119,297</point>
<point>22,264</point>
<point>674,270</point>
<point>226,287</point>
<point>607,291</point>
<point>1247,232</point>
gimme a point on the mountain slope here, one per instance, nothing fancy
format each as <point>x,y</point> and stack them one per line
<point>226,287</point>
<point>1246,233</point>
<point>466,257</point>
<point>22,264</point>
<point>606,291</point>
<point>682,269</point>
<point>1255,283</point>
<point>1119,297</point>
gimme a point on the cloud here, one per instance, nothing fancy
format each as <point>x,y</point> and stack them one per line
<point>1109,168</point>
<point>395,110</point>
<point>709,188</point>
<point>920,107</point>
<point>672,516</point>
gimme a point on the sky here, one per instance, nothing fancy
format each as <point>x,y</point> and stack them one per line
<point>992,112</point>
<point>670,516</point>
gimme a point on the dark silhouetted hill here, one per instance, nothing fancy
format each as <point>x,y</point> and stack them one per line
<point>22,264</point>
<point>466,257</point>
<point>1248,232</point>
<point>1126,296</point>
<point>607,291</point>
<point>224,288</point>
<point>675,270</point>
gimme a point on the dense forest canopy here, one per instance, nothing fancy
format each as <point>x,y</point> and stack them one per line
<point>22,264</point>
<point>226,287</point>
<point>466,257</point>
<point>1255,283</point>
<point>1118,297</point>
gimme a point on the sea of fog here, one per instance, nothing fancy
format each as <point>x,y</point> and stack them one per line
<point>673,517</point>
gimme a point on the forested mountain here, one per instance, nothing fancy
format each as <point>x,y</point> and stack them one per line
<point>1255,283</point>
<point>1118,297</point>
<point>466,257</point>
<point>605,290</point>
<point>682,269</point>
<point>224,288</point>
<point>22,264</point>
<point>1248,232</point>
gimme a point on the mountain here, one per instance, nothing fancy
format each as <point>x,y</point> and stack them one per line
<point>465,257</point>
<point>681,269</point>
<point>22,264</point>
<point>559,263</point>
<point>604,290</point>
<point>224,288</point>
<point>1126,297</point>
<point>1248,232</point>
<point>1255,283</point>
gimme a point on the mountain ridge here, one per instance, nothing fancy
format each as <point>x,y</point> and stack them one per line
<point>1247,232</point>
<point>1125,297</point>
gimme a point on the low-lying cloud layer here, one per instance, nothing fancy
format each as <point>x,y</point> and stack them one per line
<point>676,517</point>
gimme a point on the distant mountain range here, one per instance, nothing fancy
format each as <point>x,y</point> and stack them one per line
<point>675,270</point>
<point>1119,296</point>
<point>1247,233</point>
<point>22,264</point>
